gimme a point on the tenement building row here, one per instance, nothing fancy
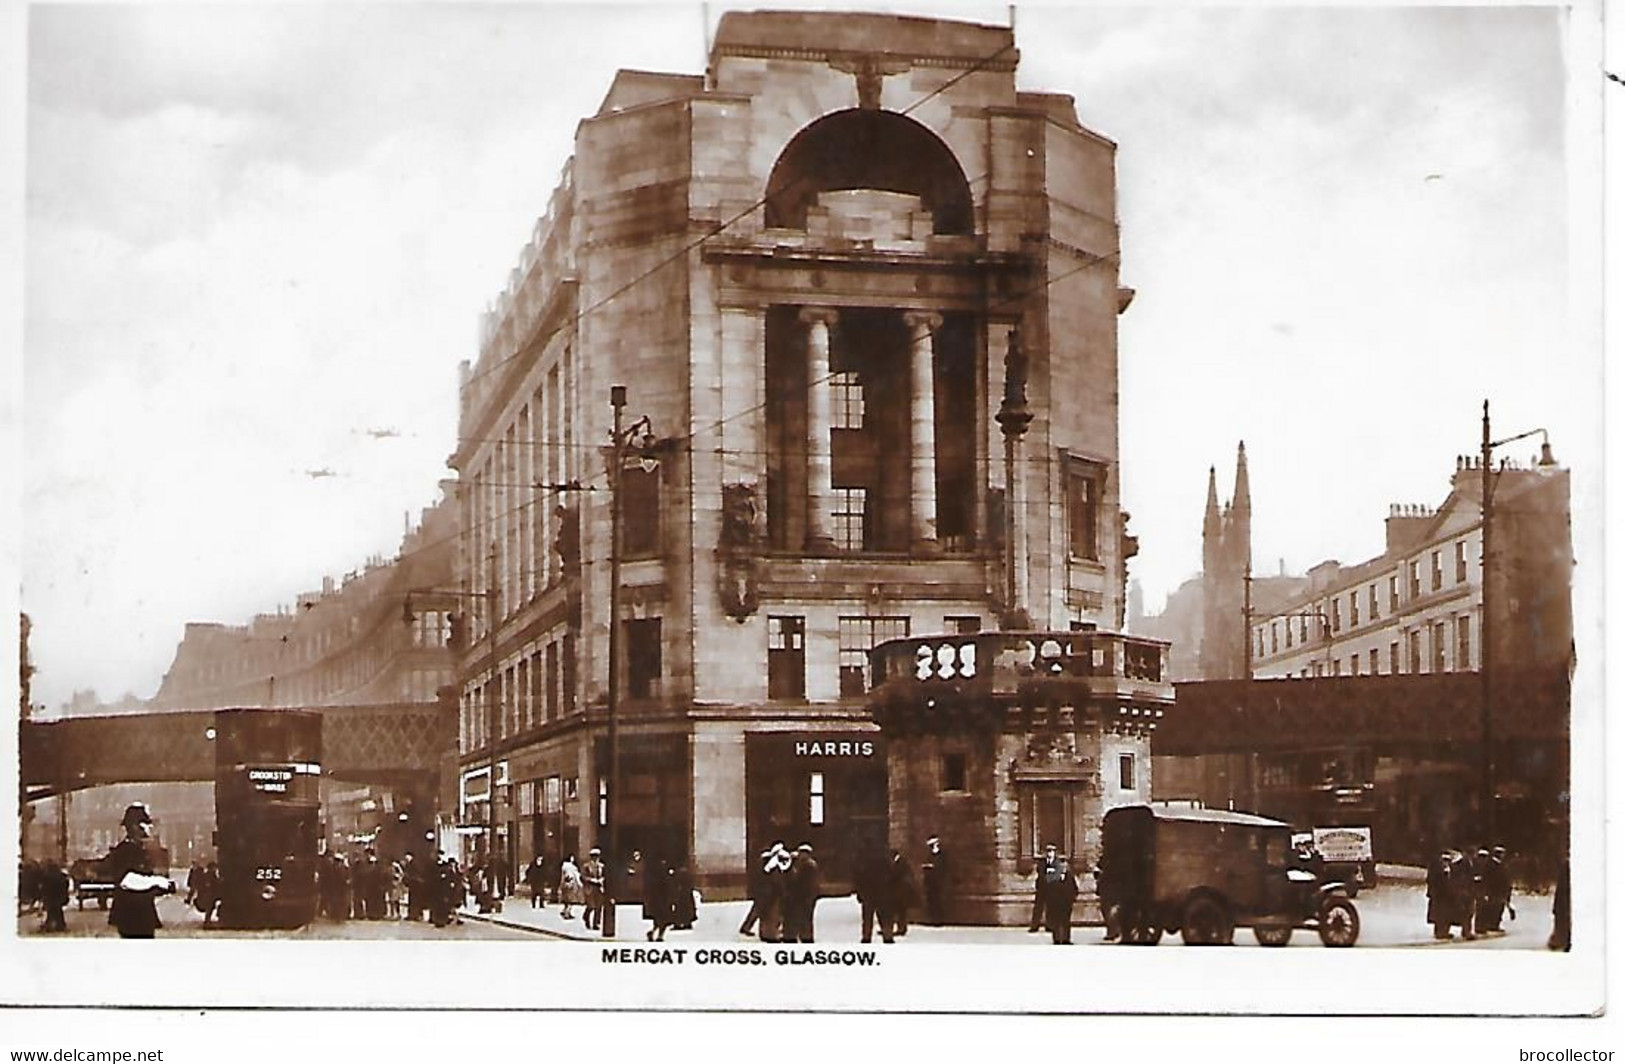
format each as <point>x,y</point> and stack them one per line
<point>1418,607</point>
<point>380,636</point>
<point>822,270</point>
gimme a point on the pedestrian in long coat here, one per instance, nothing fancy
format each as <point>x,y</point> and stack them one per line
<point>801,889</point>
<point>536,882</point>
<point>684,910</point>
<point>1562,927</point>
<point>441,887</point>
<point>934,872</point>
<point>1060,891</point>
<point>416,894</point>
<point>397,890</point>
<point>658,903</point>
<point>54,888</point>
<point>594,880</point>
<point>755,887</point>
<point>1441,896</point>
<point>877,894</point>
<point>206,892</point>
<point>1467,882</point>
<point>1496,896</point>
<point>1046,868</point>
<point>904,890</point>
<point>775,874</point>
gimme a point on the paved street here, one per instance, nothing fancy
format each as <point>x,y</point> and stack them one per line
<point>1390,915</point>
<point>182,921</point>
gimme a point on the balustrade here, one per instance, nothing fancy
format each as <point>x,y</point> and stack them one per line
<point>999,661</point>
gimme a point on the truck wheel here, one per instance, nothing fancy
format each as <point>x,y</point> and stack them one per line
<point>1207,923</point>
<point>1339,923</point>
<point>1141,929</point>
<point>1273,935</point>
<point>1148,933</point>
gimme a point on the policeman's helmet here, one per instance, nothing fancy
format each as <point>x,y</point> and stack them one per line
<point>136,814</point>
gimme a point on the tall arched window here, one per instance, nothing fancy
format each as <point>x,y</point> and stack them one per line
<point>868,149</point>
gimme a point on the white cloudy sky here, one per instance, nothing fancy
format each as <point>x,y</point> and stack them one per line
<point>255,233</point>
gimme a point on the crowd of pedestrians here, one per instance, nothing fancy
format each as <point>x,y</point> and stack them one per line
<point>784,889</point>
<point>1472,893</point>
<point>369,888</point>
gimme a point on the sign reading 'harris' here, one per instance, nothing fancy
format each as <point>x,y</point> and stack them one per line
<point>834,748</point>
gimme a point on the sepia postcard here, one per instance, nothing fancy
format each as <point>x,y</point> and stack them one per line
<point>907,508</point>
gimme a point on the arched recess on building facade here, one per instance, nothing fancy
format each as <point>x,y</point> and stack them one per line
<point>869,149</point>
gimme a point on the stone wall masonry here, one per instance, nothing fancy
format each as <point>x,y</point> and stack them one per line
<point>992,880</point>
<point>638,338</point>
<point>723,187</point>
<point>719,833</point>
<point>632,149</point>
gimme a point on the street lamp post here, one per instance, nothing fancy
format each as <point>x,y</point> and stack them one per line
<point>1486,623</point>
<point>489,597</point>
<point>621,442</point>
<point>492,691</point>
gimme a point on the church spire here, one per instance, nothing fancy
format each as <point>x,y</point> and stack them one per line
<point>1243,503</point>
<point>1212,525</point>
<point>1241,511</point>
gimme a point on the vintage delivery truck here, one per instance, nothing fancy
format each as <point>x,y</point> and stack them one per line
<point>1205,872</point>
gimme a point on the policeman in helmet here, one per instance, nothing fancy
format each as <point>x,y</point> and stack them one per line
<point>137,883</point>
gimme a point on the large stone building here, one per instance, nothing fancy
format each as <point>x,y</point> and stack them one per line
<point>806,266</point>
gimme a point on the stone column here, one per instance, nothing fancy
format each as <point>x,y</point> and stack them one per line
<point>820,418</point>
<point>923,428</point>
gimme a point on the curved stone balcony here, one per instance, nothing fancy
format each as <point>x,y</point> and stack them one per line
<point>1103,673</point>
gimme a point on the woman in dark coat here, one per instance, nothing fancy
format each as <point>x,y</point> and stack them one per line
<point>683,910</point>
<point>536,880</point>
<point>657,898</point>
<point>206,886</point>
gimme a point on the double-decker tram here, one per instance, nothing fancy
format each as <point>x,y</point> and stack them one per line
<point>267,802</point>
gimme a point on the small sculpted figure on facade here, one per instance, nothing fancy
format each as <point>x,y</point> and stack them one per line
<point>736,551</point>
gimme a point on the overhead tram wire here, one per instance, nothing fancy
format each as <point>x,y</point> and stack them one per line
<point>720,227</point>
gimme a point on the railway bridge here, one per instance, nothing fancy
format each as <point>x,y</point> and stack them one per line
<point>398,745</point>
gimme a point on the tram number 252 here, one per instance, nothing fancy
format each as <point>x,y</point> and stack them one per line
<point>267,874</point>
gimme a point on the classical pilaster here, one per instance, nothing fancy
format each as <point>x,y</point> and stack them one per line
<point>923,427</point>
<point>820,418</point>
